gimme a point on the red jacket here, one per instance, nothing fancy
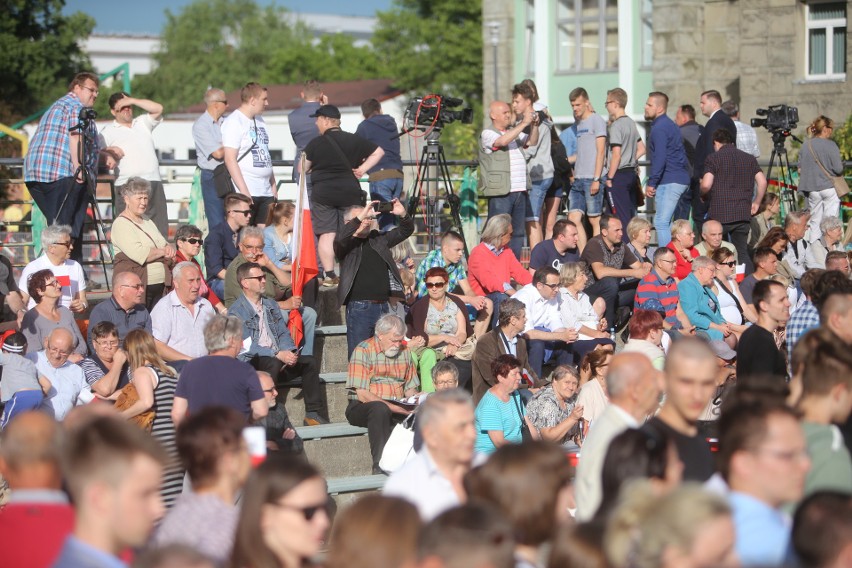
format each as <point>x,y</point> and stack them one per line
<point>488,271</point>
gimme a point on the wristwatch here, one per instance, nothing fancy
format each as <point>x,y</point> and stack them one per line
<point>596,179</point>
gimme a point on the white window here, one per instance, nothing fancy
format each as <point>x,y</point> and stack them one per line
<point>647,34</point>
<point>587,35</point>
<point>826,42</point>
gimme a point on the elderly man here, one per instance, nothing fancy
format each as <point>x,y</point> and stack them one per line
<point>135,138</point>
<point>268,345</point>
<point>837,260</point>
<point>795,227</point>
<point>280,433</point>
<point>179,318</point>
<point>336,161</point>
<point>711,239</point>
<point>244,132</point>
<point>729,181</point>
<point>544,328</point>
<point>657,291</point>
<point>37,517</point>
<point>430,479</point>
<point>757,352</point>
<point>57,245</point>
<point>690,383</point>
<point>209,152</point>
<point>69,387</point>
<point>503,174</point>
<point>219,379</point>
<point>276,284</point>
<point>381,371</point>
<point>634,388</point>
<point>504,338</point>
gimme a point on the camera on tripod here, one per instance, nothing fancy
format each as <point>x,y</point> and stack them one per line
<point>778,118</point>
<point>86,114</point>
<point>432,111</point>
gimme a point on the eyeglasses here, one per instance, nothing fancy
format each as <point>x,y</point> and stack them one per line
<point>59,351</point>
<point>446,384</point>
<point>551,286</point>
<point>667,260</point>
<point>436,285</point>
<point>261,277</point>
<point>731,263</point>
<point>193,241</point>
<point>271,390</point>
<point>54,283</point>
<point>65,244</point>
<point>308,513</point>
<point>106,343</point>
<point>91,90</point>
<point>245,212</point>
<point>251,247</point>
<point>134,286</point>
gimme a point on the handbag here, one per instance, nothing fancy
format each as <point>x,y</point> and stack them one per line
<point>839,182</point>
<point>222,178</point>
<point>128,397</point>
<point>526,435</point>
<point>465,352</point>
<point>399,448</point>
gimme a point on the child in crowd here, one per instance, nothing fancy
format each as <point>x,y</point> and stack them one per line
<point>22,388</point>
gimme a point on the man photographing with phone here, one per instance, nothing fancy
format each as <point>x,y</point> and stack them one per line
<point>368,273</point>
<point>336,160</point>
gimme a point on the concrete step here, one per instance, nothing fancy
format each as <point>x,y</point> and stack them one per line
<point>335,393</point>
<point>330,349</point>
<point>339,450</point>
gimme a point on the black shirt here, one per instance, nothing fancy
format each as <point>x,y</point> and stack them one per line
<point>757,354</point>
<point>694,451</point>
<point>334,184</point>
<point>371,278</point>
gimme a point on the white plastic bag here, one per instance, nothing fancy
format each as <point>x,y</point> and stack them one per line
<point>400,446</point>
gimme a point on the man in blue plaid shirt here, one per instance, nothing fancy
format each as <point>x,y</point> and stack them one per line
<point>52,166</point>
<point>806,316</point>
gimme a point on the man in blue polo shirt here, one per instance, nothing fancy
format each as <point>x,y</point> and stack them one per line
<point>657,291</point>
<point>561,249</point>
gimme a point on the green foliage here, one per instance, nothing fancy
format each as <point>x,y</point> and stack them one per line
<point>843,136</point>
<point>40,54</point>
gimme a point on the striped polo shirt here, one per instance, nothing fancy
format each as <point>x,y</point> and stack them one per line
<point>651,288</point>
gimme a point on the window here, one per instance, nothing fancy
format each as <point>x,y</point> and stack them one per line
<point>826,41</point>
<point>587,35</point>
<point>646,35</point>
<point>529,9</point>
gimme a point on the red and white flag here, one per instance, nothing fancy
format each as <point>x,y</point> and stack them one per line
<point>304,253</point>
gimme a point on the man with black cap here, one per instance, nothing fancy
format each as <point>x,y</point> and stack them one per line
<point>336,161</point>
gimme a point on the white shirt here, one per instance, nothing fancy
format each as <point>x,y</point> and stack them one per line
<point>577,312</point>
<point>238,131</point>
<point>421,483</point>
<point>137,141</point>
<point>541,313</point>
<point>173,324</point>
<point>69,274</point>
<point>68,386</point>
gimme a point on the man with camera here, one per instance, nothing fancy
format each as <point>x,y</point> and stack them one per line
<point>336,161</point>
<point>53,172</point>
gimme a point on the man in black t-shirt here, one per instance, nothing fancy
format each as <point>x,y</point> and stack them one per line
<point>336,160</point>
<point>690,380</point>
<point>757,353</point>
<point>559,250</point>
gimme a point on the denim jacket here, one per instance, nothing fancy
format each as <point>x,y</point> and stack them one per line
<point>243,309</point>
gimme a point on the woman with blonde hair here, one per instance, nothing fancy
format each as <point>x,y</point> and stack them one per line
<point>686,528</point>
<point>639,232</point>
<point>764,219</point>
<point>278,234</point>
<point>683,245</point>
<point>819,158</point>
<point>155,381</point>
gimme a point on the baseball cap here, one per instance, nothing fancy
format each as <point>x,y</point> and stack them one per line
<point>328,111</point>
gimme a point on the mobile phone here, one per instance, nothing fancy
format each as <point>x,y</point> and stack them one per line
<point>384,207</point>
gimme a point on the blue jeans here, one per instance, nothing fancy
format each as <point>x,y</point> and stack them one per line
<point>386,190</point>
<point>63,202</point>
<point>361,318</point>
<point>581,199</point>
<point>666,201</point>
<point>537,195</point>
<point>214,207</point>
<point>538,351</point>
<point>217,285</point>
<point>496,298</point>
<point>515,204</point>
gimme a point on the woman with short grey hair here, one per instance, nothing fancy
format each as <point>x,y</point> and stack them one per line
<point>139,246</point>
<point>832,234</point>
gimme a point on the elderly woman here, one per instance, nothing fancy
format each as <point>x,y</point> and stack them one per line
<point>735,310</point>
<point>832,232</point>
<point>56,244</point>
<point>701,305</point>
<point>639,233</point>
<point>492,266</point>
<point>139,246</point>
<point>682,243</point>
<point>577,311</point>
<point>44,288</point>
<point>764,219</point>
<point>819,157</point>
<point>106,368</point>
<point>501,412</point>
<point>439,328</point>
<point>188,241</point>
<point>554,409</point>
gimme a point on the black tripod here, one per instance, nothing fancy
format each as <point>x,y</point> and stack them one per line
<point>785,180</point>
<point>433,156</point>
<point>85,150</point>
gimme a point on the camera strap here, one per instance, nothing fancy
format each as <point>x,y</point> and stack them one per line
<point>340,152</point>
<point>824,170</point>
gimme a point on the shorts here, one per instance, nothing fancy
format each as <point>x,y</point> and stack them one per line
<point>327,218</point>
<point>580,198</point>
<point>555,191</point>
<point>537,195</point>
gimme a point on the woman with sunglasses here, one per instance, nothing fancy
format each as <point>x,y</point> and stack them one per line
<point>48,314</point>
<point>734,308</point>
<point>188,241</point>
<point>284,516</point>
<point>439,328</point>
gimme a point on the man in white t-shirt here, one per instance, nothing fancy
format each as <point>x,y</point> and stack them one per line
<point>56,244</point>
<point>135,138</point>
<point>246,142</point>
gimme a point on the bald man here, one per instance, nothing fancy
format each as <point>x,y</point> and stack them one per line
<point>503,175</point>
<point>711,239</point>
<point>69,386</point>
<point>37,518</point>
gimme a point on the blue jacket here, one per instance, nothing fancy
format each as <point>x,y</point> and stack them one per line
<point>274,248</point>
<point>695,300</point>
<point>251,327</point>
<point>219,249</point>
<point>382,131</point>
<point>666,154</point>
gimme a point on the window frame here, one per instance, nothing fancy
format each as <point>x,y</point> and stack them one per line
<point>576,23</point>
<point>828,26</point>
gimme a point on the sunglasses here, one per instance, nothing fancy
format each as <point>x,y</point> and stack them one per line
<point>245,212</point>
<point>436,285</point>
<point>254,278</point>
<point>193,241</point>
<point>308,513</point>
<point>551,286</point>
<point>731,263</point>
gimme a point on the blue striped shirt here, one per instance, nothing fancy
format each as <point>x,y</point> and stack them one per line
<point>494,414</point>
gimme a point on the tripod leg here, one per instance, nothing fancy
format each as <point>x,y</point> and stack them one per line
<point>452,197</point>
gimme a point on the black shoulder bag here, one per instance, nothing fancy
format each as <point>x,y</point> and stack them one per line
<point>526,435</point>
<point>222,177</point>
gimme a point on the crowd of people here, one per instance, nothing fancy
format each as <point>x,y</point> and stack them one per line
<point>611,404</point>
